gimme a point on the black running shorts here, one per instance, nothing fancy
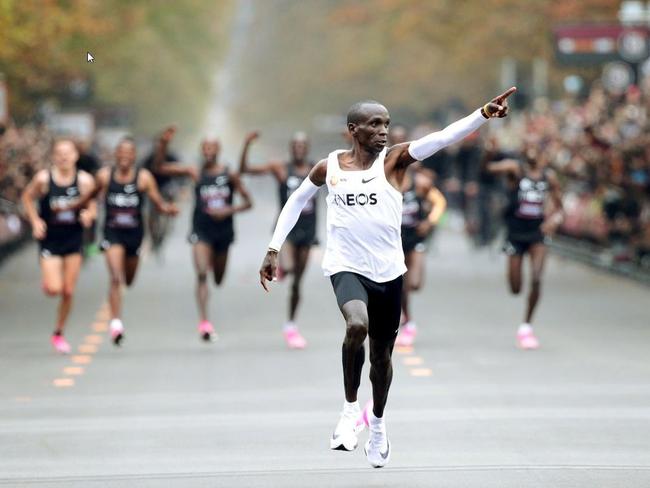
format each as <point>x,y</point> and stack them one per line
<point>384,301</point>
<point>62,242</point>
<point>129,239</point>
<point>519,247</point>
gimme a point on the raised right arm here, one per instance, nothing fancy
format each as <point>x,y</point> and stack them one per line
<point>273,167</point>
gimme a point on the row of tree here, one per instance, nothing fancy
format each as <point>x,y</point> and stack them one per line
<point>157,58</point>
<point>414,55</point>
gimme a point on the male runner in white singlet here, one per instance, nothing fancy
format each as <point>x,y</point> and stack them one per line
<point>363,256</point>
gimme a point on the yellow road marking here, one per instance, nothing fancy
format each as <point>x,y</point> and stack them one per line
<point>413,360</point>
<point>63,382</point>
<point>88,348</point>
<point>81,359</point>
<point>421,372</point>
<point>93,339</point>
<point>73,370</point>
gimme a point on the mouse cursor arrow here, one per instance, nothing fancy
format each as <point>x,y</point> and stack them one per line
<point>90,58</point>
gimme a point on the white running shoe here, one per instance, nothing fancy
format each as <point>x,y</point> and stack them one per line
<point>377,448</point>
<point>345,435</point>
<point>117,331</point>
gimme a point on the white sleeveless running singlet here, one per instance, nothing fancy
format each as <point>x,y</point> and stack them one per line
<point>364,217</point>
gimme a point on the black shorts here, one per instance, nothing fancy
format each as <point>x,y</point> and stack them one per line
<point>219,243</point>
<point>411,241</point>
<point>519,247</point>
<point>129,239</point>
<point>384,301</point>
<point>62,243</point>
<point>302,237</point>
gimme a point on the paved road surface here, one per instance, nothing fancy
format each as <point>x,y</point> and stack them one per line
<point>467,408</point>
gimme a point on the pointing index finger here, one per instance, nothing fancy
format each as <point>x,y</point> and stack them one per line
<point>506,94</point>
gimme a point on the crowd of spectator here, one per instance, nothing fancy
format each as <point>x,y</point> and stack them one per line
<point>600,147</point>
<point>23,151</point>
<point>598,144</point>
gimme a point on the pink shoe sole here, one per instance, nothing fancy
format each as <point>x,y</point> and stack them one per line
<point>294,340</point>
<point>60,345</point>
<point>528,342</point>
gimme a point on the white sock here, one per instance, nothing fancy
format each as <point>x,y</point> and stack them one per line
<point>351,407</point>
<point>376,423</point>
<point>525,329</point>
<point>290,325</point>
<point>116,324</point>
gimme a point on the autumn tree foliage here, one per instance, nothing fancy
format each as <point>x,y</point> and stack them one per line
<point>157,57</point>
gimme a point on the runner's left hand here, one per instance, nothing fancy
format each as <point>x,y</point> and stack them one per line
<point>269,268</point>
<point>86,218</point>
<point>170,209</point>
<point>424,228</point>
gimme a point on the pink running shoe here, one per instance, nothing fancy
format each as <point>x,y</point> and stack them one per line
<point>207,331</point>
<point>526,338</point>
<point>60,344</point>
<point>406,336</point>
<point>363,420</point>
<point>293,338</point>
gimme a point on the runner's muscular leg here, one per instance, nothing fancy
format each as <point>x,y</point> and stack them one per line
<point>355,313</point>
<point>202,254</point>
<point>115,258</point>
<point>300,258</point>
<point>537,260</point>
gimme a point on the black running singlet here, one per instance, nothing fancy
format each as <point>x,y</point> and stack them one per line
<point>413,208</point>
<point>64,233</point>
<point>304,232</point>
<point>524,214</point>
<point>212,192</point>
<point>54,206</point>
<point>123,204</point>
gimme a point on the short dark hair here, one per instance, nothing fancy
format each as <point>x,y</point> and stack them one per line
<point>127,140</point>
<point>59,140</point>
<point>356,113</point>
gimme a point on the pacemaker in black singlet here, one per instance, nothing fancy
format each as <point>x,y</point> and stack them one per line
<point>524,214</point>
<point>123,225</point>
<point>304,232</point>
<point>64,233</point>
<point>413,212</point>
<point>213,192</point>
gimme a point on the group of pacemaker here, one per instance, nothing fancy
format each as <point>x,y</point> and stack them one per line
<point>68,203</point>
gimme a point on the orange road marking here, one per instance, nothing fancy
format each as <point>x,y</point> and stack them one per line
<point>93,339</point>
<point>81,359</point>
<point>63,382</point>
<point>100,327</point>
<point>404,349</point>
<point>421,372</point>
<point>88,348</point>
<point>412,360</point>
<point>73,370</point>
<point>23,399</point>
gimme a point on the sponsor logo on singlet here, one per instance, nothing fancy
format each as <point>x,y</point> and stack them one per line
<point>123,200</point>
<point>531,197</point>
<point>351,199</point>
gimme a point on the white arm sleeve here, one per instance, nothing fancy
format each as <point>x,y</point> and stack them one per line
<point>291,212</point>
<point>434,142</point>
